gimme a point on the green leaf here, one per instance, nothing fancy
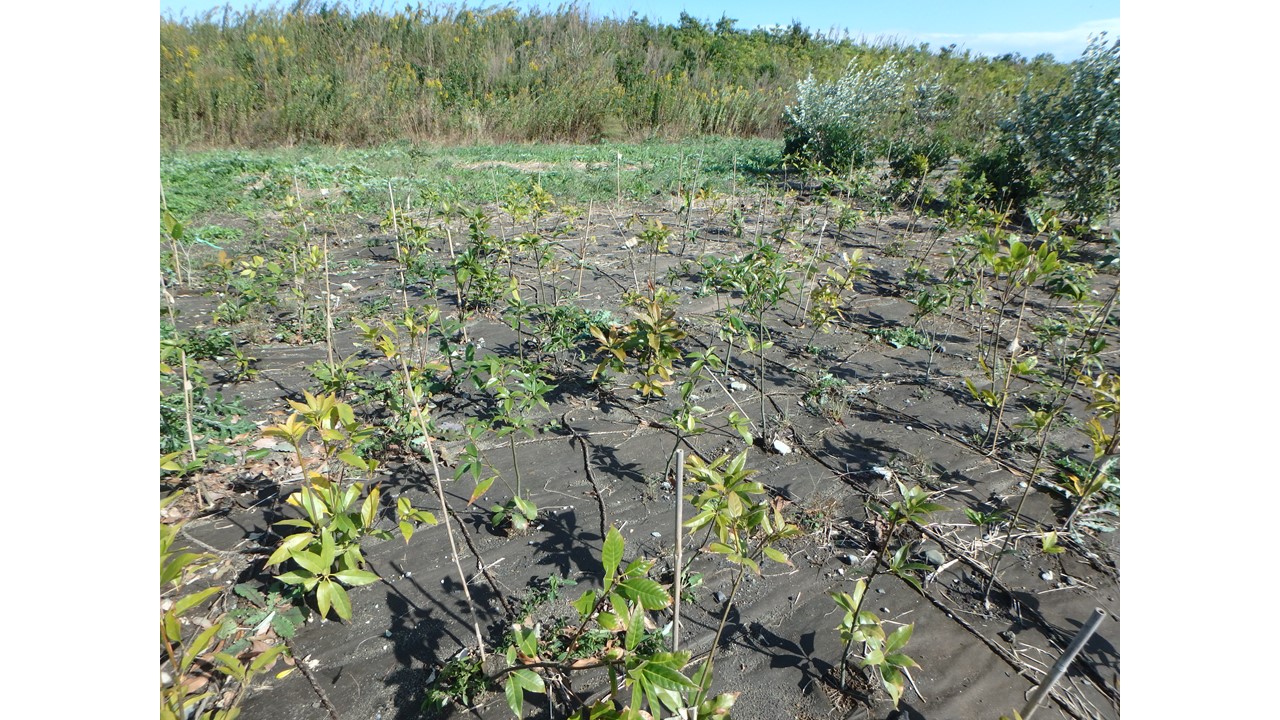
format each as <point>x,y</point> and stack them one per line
<point>369,509</point>
<point>328,551</point>
<point>635,630</point>
<point>250,593</point>
<point>324,596</point>
<point>312,562</point>
<point>526,508</point>
<point>172,570</point>
<point>649,593</point>
<point>187,602</point>
<point>527,640</point>
<point>482,487</point>
<point>847,603</point>
<point>665,676</point>
<point>611,555</point>
<point>585,604</point>
<point>530,680</point>
<point>893,684</point>
<point>341,601</point>
<point>288,546</point>
<point>699,520</point>
<point>230,666</point>
<point>197,646</point>
<point>356,578</point>
<point>515,695</point>
<point>353,460</point>
<point>900,660</point>
<point>296,577</point>
<point>898,638</point>
<point>776,556</point>
<point>172,630</point>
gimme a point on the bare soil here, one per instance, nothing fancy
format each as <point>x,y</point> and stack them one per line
<point>904,414</point>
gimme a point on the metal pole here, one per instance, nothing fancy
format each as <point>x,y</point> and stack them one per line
<point>675,629</point>
<point>1060,667</point>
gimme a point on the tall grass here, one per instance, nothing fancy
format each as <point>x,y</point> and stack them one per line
<point>333,74</point>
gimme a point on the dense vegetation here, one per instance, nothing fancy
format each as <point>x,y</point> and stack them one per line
<point>332,74</point>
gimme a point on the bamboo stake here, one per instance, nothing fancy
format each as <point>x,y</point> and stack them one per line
<point>395,226</point>
<point>679,581</point>
<point>582,253</point>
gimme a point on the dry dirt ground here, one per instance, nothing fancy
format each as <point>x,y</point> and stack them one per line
<point>898,413</point>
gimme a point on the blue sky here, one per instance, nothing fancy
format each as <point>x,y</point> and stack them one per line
<point>993,27</point>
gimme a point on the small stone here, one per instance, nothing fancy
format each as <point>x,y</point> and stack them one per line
<point>1047,575</point>
<point>781,447</point>
<point>840,572</point>
<point>880,590</point>
<point>1008,636</point>
<point>908,427</point>
<point>884,610</point>
<point>386,634</point>
<point>934,557</point>
<point>655,533</point>
<point>735,385</point>
<point>849,558</point>
<point>719,597</point>
<point>1068,580</point>
<point>348,287</point>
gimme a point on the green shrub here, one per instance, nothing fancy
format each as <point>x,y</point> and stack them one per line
<point>914,159</point>
<point>1072,132</point>
<point>1009,181</point>
<point>845,123</point>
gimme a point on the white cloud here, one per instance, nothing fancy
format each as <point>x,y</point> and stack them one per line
<point>1066,45</point>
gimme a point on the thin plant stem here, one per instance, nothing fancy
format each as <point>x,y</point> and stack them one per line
<point>803,306</point>
<point>711,656</point>
<point>998,413</point>
<point>511,443</point>
<point>1017,514</point>
<point>875,570</point>
<point>1060,396</point>
<point>444,507</point>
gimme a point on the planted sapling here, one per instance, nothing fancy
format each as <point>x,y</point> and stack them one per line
<point>914,506</point>
<point>516,393</point>
<point>326,553</point>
